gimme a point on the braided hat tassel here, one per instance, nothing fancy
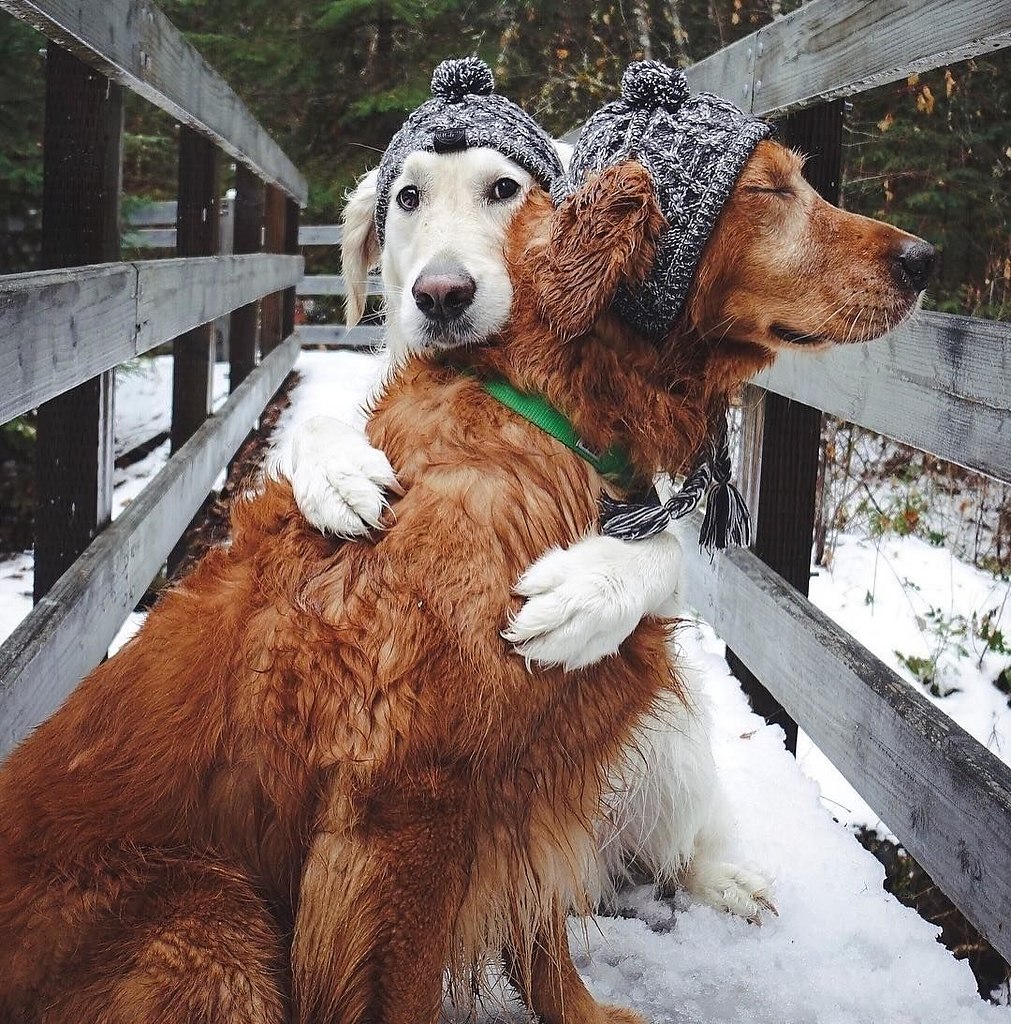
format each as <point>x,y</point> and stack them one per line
<point>727,520</point>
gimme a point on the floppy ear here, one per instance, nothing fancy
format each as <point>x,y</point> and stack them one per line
<point>359,244</point>
<point>602,236</point>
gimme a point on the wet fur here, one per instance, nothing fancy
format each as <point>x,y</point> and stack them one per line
<point>330,739</point>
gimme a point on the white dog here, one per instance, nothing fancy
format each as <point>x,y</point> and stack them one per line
<point>446,285</point>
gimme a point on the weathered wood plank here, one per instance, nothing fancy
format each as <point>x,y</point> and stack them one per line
<point>938,383</point>
<point>177,295</point>
<point>320,234</point>
<point>150,238</point>
<point>274,215</point>
<point>334,284</point>
<point>69,631</point>
<point>245,326</point>
<point>945,796</point>
<point>729,72</point>
<point>133,43</point>
<point>831,48</point>
<point>288,300</point>
<point>59,328</point>
<point>165,238</point>
<point>198,221</point>
<point>362,336</point>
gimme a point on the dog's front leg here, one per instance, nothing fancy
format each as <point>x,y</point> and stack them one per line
<point>583,601</point>
<point>550,985</point>
<point>376,908</point>
<point>339,480</point>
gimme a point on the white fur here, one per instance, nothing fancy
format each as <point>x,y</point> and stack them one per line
<point>583,601</point>
<point>668,818</point>
<point>339,480</point>
<point>457,219</point>
<point>666,814</point>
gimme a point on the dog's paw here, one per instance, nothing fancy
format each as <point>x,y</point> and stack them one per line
<point>583,602</point>
<point>338,478</point>
<point>732,889</point>
<point>579,606</point>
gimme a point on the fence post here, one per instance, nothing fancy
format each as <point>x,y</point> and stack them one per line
<point>787,434</point>
<point>82,147</point>
<point>291,215</point>
<point>274,241</point>
<point>197,234</point>
<point>198,230</point>
<point>248,238</point>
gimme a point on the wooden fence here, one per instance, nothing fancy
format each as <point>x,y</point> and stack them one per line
<point>63,330</point>
<point>149,228</point>
<point>938,384</point>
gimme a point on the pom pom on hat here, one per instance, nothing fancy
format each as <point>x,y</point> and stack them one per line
<point>647,84</point>
<point>466,76</point>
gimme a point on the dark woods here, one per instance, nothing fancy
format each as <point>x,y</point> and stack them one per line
<point>332,79</point>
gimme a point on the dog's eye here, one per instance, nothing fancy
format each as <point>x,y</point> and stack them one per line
<point>770,190</point>
<point>504,188</point>
<point>408,198</point>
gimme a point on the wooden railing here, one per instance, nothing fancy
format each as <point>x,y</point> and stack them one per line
<point>64,330</point>
<point>938,384</point>
<point>149,229</point>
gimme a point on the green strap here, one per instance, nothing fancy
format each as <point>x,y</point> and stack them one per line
<point>613,464</point>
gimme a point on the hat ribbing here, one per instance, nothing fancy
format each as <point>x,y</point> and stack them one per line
<point>695,148</point>
<point>464,112</point>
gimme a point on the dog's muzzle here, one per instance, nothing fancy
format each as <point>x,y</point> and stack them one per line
<point>443,292</point>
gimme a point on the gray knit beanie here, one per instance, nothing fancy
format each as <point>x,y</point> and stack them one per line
<point>694,147</point>
<point>464,113</point>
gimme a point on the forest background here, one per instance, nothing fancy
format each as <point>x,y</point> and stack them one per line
<point>332,80</point>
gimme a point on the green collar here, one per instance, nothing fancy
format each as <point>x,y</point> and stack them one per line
<point>613,464</point>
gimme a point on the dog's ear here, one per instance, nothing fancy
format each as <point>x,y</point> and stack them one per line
<point>359,245</point>
<point>602,236</point>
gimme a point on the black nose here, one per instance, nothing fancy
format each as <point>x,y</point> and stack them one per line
<point>913,263</point>
<point>443,291</point>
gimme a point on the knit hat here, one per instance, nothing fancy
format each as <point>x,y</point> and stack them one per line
<point>463,113</point>
<point>694,147</point>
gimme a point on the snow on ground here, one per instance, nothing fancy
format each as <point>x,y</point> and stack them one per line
<point>144,398</point>
<point>842,950</point>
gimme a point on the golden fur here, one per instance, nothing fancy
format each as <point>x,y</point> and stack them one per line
<point>318,761</point>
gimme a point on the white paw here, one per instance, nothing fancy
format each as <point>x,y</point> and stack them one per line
<point>732,889</point>
<point>584,601</point>
<point>338,478</point>
<point>581,603</point>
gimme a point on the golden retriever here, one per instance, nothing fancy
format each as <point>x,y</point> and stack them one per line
<point>667,819</point>
<point>314,781</point>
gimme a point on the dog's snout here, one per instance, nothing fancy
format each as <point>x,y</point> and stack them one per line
<point>443,291</point>
<point>914,262</point>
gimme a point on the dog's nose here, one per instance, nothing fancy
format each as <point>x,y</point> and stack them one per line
<point>914,261</point>
<point>443,291</point>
